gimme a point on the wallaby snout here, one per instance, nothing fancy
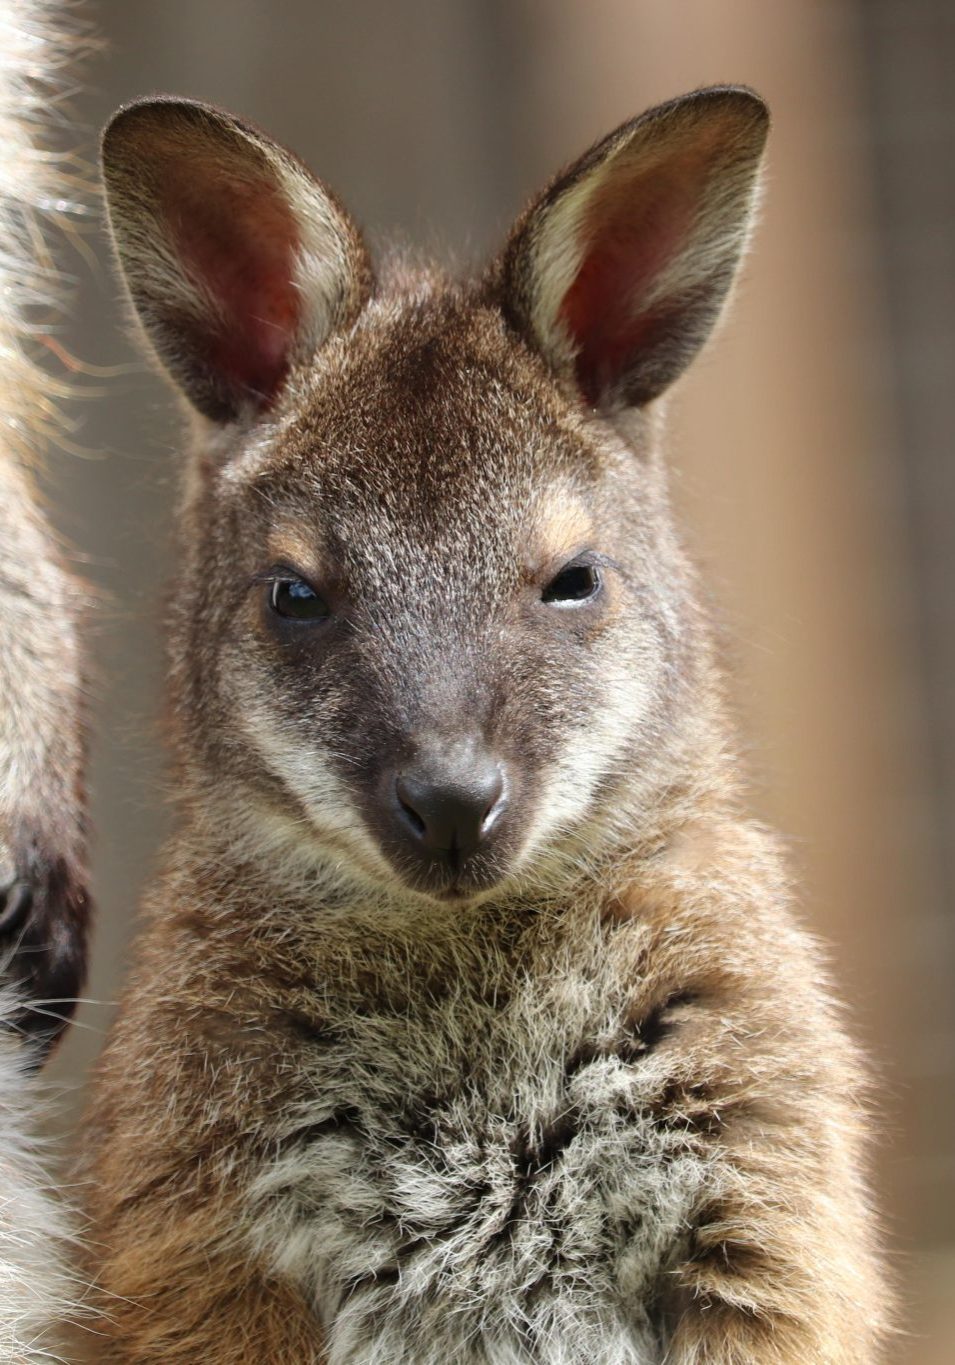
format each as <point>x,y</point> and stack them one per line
<point>422,499</point>
<point>445,812</point>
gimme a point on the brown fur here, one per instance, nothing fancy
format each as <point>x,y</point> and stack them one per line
<point>585,1095</point>
<point>215,1309</point>
<point>778,1269</point>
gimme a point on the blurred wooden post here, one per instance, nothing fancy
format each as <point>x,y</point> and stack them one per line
<point>909,53</point>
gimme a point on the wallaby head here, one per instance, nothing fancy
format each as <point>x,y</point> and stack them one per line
<point>432,628</point>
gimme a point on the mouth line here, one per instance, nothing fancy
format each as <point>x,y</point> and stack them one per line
<point>454,894</point>
<point>450,890</point>
<point>454,888</point>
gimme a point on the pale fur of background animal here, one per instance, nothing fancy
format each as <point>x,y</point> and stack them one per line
<point>38,1289</point>
<point>41,807</point>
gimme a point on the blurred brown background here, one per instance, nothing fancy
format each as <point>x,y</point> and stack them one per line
<point>809,447</point>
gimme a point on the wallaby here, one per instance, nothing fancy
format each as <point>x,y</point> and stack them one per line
<point>470,1021</point>
<point>43,880</point>
<point>44,905</point>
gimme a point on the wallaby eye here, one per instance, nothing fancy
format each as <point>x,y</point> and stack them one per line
<point>575,584</point>
<point>296,601</point>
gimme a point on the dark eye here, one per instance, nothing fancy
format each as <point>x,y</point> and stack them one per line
<point>577,583</point>
<point>296,601</point>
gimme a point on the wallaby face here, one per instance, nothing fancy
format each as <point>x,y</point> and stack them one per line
<point>440,624</point>
<point>470,1023</point>
<point>434,618</point>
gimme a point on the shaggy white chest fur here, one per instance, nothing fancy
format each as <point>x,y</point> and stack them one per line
<point>481,1184</point>
<point>37,1290</point>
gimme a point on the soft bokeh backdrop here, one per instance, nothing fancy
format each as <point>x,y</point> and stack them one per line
<point>809,447</point>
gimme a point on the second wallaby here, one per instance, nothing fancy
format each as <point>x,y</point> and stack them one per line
<point>44,902</point>
<point>470,1022</point>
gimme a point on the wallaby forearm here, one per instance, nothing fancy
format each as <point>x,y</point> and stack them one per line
<point>781,1268</point>
<point>172,1310</point>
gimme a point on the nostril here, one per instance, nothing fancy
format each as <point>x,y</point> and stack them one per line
<point>411,815</point>
<point>497,803</point>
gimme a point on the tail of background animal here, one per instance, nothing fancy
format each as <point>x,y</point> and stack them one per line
<point>43,900</point>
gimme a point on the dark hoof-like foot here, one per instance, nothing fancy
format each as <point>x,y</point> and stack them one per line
<point>15,901</point>
<point>44,913</point>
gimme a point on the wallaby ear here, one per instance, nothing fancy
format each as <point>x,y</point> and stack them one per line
<point>619,271</point>
<point>238,261</point>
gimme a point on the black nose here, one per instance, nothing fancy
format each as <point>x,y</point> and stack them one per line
<point>448,818</point>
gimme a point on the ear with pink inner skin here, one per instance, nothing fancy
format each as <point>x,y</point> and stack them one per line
<point>238,261</point>
<point>618,273</point>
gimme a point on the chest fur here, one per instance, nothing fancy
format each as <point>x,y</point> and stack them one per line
<point>487,1179</point>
